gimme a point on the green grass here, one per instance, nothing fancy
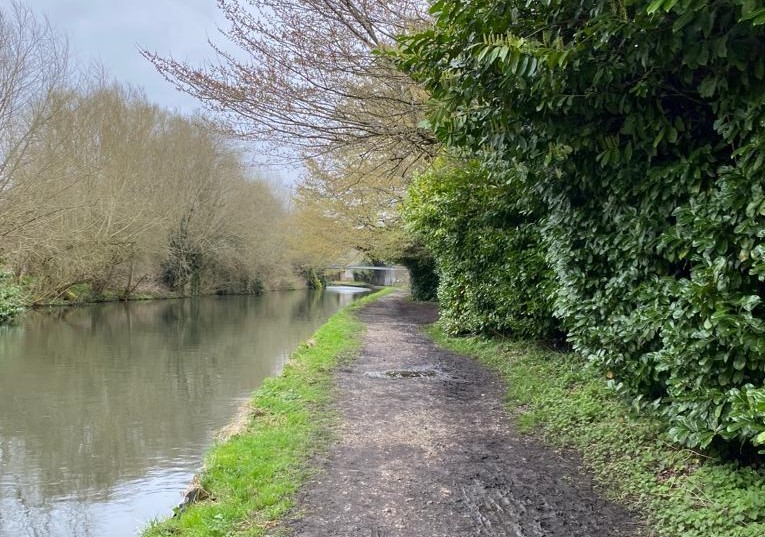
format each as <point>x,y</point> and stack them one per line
<point>678,492</point>
<point>253,476</point>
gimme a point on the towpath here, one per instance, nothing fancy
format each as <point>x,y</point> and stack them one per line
<point>426,449</point>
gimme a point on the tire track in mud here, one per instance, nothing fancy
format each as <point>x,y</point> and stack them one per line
<point>426,449</point>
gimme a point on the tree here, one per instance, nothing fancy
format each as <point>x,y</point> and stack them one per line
<point>305,76</point>
<point>33,68</point>
<point>348,209</point>
<point>306,81</point>
<point>139,198</point>
<point>97,217</point>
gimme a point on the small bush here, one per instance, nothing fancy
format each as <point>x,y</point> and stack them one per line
<point>480,228</point>
<point>314,278</point>
<point>11,297</point>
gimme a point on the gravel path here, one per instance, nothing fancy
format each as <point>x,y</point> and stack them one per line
<point>426,449</point>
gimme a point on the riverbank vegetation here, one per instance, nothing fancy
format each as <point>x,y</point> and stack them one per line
<point>250,479</point>
<point>561,397</point>
<point>105,196</point>
<point>11,300</point>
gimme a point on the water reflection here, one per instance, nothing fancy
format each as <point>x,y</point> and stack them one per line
<point>106,410</point>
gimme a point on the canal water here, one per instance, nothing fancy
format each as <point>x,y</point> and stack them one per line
<point>106,410</point>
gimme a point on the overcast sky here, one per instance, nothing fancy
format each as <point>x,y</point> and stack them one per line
<point>110,32</point>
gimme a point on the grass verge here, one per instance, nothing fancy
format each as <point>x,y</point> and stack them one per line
<point>678,491</point>
<point>252,477</point>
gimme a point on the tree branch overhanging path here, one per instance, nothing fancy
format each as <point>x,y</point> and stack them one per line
<point>425,448</point>
<point>302,80</point>
<point>305,76</point>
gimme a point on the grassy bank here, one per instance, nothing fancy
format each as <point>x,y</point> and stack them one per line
<point>680,492</point>
<point>252,476</point>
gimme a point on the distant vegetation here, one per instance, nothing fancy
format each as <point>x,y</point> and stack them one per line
<point>104,195</point>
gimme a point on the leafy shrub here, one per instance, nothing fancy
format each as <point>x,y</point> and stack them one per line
<point>481,231</point>
<point>423,279</point>
<point>314,278</point>
<point>11,297</point>
<point>642,127</point>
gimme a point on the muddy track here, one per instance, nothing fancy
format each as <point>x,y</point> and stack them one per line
<point>426,449</point>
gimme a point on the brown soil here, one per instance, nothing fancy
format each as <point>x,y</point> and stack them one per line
<point>425,448</point>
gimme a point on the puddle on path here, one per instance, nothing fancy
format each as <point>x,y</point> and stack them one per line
<point>413,373</point>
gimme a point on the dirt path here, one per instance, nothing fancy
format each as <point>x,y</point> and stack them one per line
<point>425,449</point>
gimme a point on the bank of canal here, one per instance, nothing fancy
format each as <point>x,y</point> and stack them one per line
<point>427,442</point>
<point>251,478</point>
<point>106,410</point>
<point>421,446</point>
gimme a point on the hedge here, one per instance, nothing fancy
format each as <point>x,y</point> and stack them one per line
<point>640,126</point>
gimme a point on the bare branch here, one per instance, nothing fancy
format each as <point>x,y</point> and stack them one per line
<point>305,76</point>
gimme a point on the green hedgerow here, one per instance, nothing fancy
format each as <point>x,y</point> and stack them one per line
<point>640,126</point>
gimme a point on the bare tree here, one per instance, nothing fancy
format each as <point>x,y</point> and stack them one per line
<point>305,76</point>
<point>138,195</point>
<point>91,216</point>
<point>100,187</point>
<point>33,68</point>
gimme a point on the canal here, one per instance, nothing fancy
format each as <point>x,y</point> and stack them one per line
<point>106,410</point>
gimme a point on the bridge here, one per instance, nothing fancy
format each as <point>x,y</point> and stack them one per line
<point>383,275</point>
